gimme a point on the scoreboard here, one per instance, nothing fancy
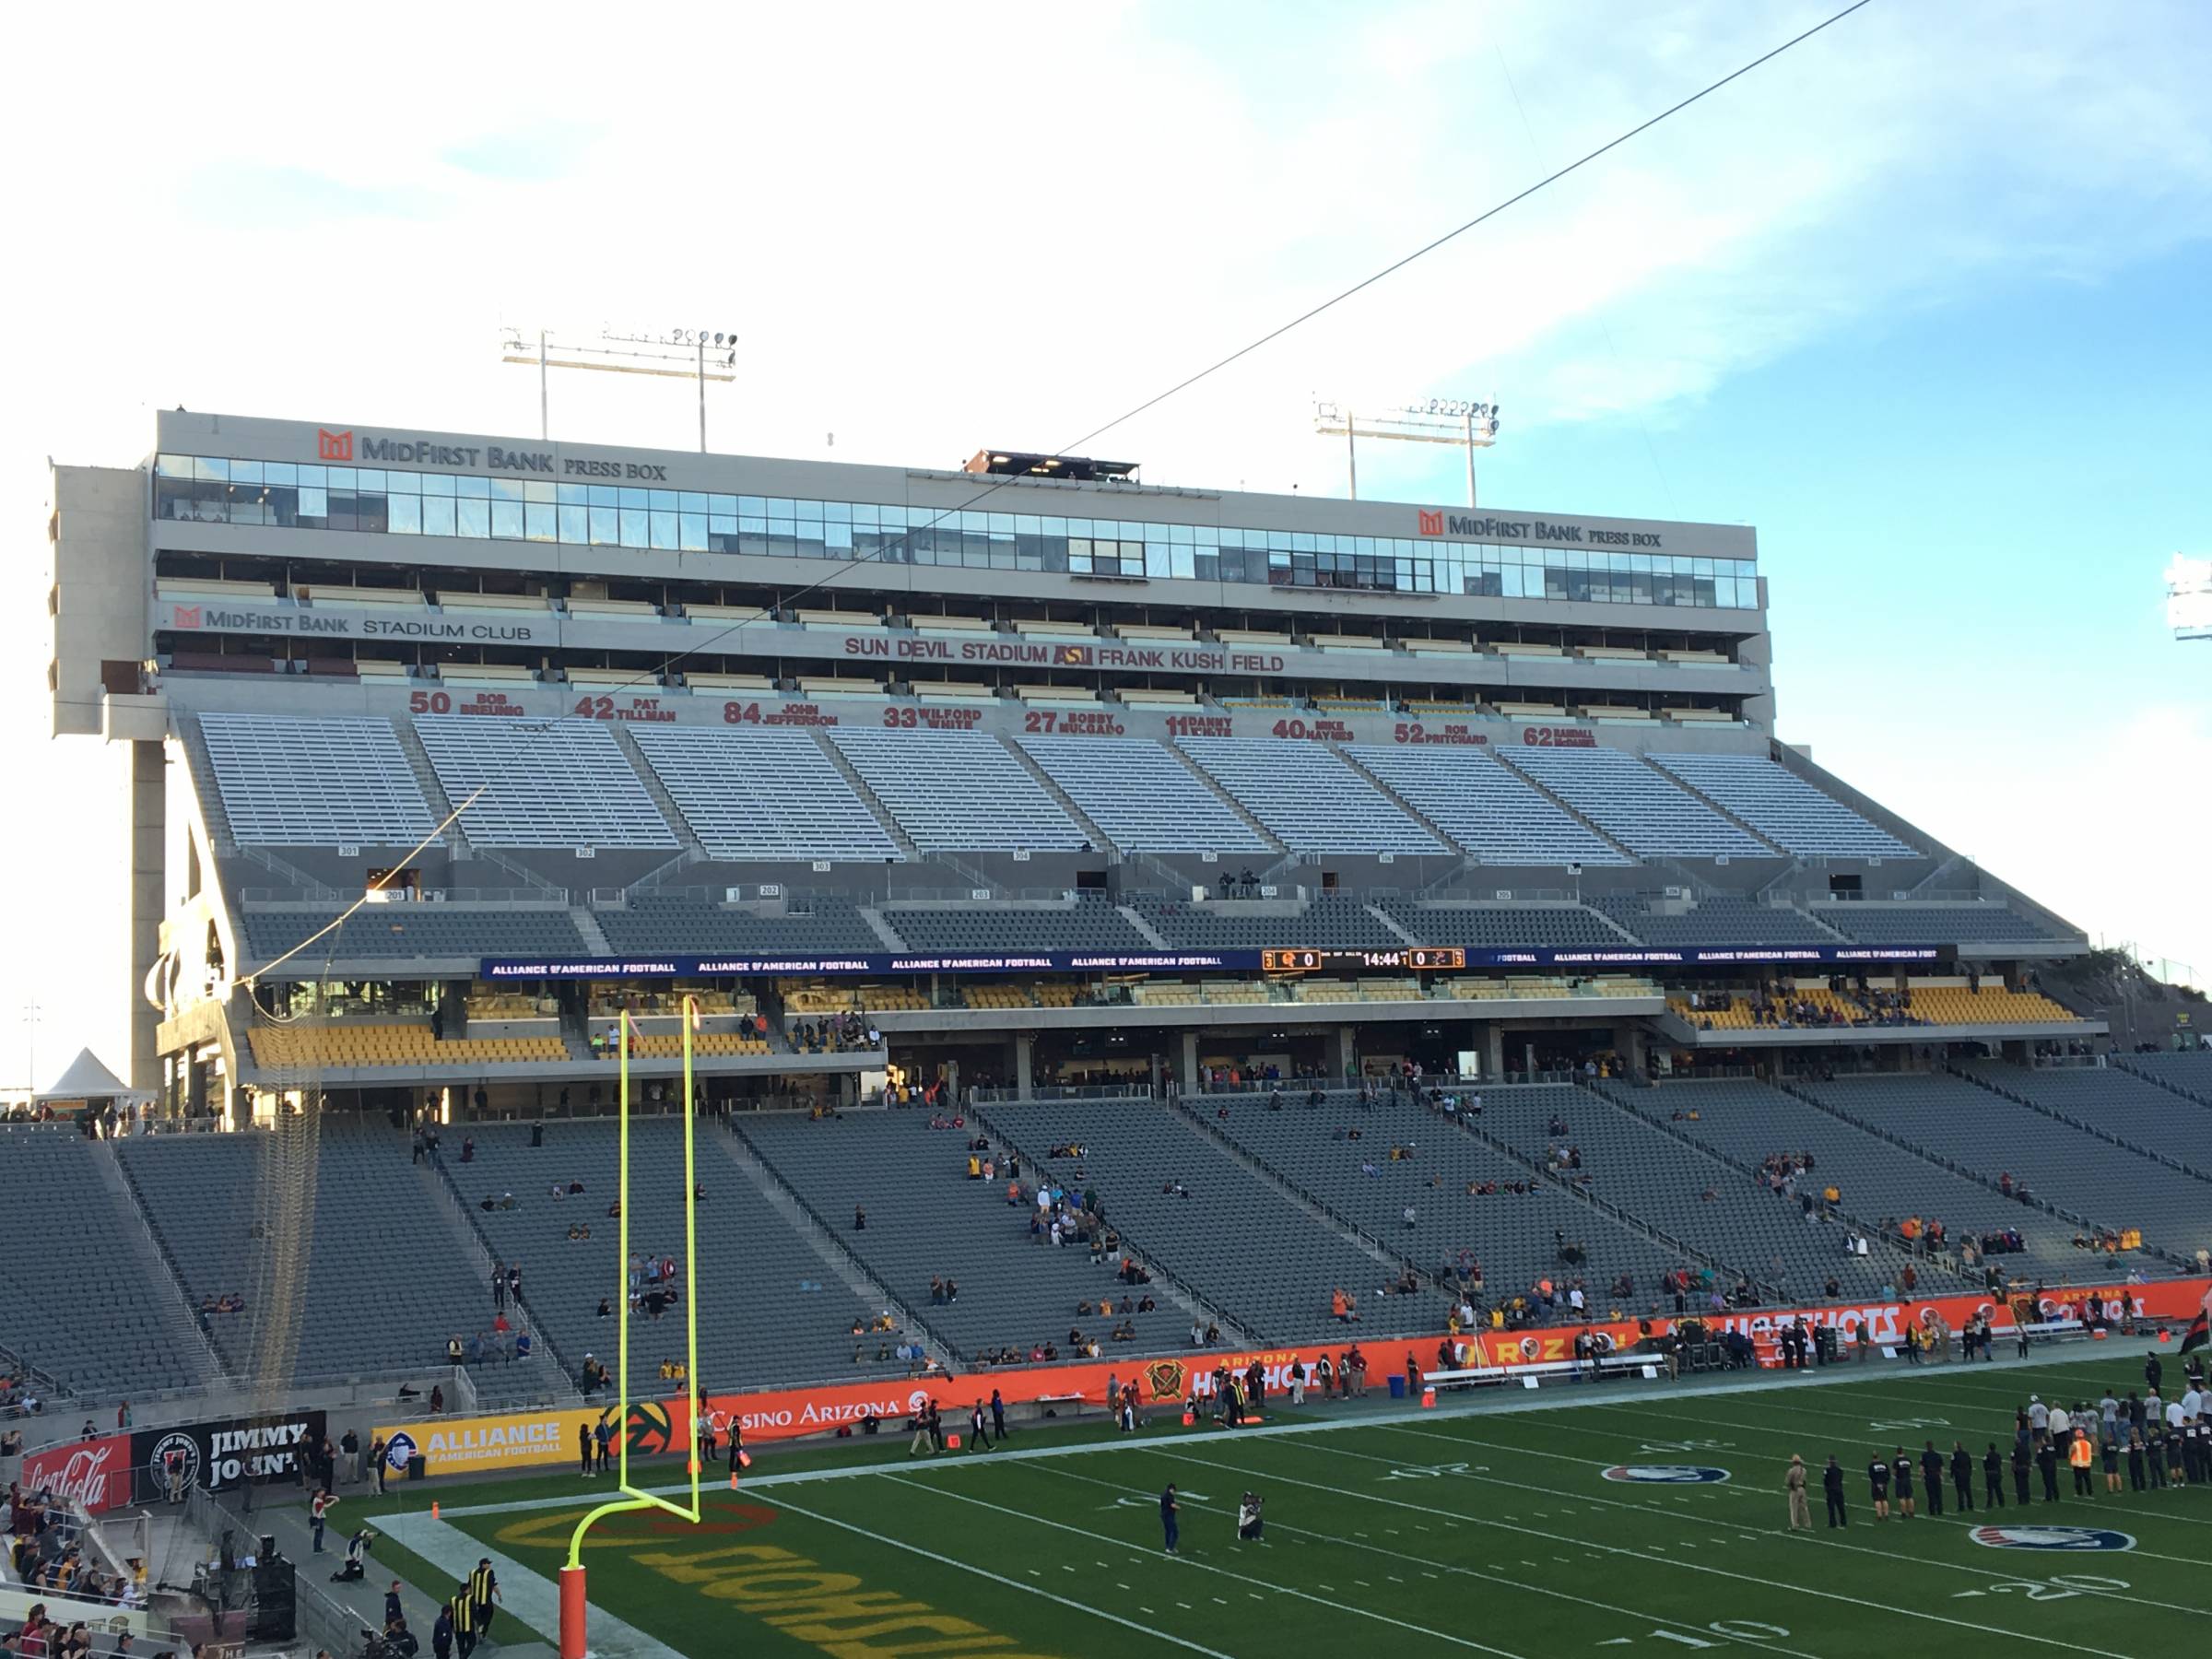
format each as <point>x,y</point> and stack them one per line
<point>1415,959</point>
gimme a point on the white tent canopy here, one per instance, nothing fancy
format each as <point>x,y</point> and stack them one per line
<point>87,1080</point>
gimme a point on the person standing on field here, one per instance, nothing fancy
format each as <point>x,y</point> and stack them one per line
<point>1801,1511</point>
<point>1831,1487</point>
<point>1169,1525</point>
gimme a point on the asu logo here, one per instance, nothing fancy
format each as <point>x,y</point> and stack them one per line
<point>1165,1378</point>
<point>1073,656</point>
<point>1433,524</point>
<point>334,446</point>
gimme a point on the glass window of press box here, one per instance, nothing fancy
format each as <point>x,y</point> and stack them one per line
<point>390,503</point>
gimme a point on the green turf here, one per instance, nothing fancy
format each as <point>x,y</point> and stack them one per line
<point>1490,1531</point>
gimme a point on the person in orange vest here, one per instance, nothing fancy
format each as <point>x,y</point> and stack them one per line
<point>2079,1454</point>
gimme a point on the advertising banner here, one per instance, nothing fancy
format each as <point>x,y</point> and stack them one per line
<point>220,1457</point>
<point>94,1473</point>
<point>522,1439</point>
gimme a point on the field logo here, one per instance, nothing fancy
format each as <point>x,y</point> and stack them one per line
<point>399,1452</point>
<point>1671,1475</point>
<point>1166,1378</point>
<point>334,446</point>
<point>2051,1537</point>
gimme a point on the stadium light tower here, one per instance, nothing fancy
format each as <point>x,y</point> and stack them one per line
<point>626,354</point>
<point>2189,597</point>
<point>1454,421</point>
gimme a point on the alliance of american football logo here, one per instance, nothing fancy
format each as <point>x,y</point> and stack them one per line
<point>647,1429</point>
<point>2051,1537</point>
<point>1668,1474</point>
<point>1165,1378</point>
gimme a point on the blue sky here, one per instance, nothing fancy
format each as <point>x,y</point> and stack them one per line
<point>1924,300</point>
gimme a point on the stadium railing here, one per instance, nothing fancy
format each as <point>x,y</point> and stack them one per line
<point>1063,1091</point>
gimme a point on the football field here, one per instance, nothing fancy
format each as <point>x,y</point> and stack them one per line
<point>1638,1515</point>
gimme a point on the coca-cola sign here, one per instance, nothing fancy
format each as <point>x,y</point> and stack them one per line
<point>94,1473</point>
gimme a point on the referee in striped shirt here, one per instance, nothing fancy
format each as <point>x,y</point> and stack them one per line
<point>483,1590</point>
<point>464,1613</point>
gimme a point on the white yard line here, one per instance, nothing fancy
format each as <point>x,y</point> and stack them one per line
<point>529,1597</point>
<point>1035,1520</point>
<point>952,1561</point>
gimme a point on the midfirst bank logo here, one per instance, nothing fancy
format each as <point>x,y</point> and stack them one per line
<point>1433,524</point>
<point>334,446</point>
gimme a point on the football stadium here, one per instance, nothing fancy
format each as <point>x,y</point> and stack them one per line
<point>1447,1103</point>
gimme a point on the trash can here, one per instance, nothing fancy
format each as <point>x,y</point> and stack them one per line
<point>1397,1388</point>
<point>418,1466</point>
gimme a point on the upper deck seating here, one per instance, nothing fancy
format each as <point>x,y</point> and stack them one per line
<point>315,782</point>
<point>672,925</point>
<point>1142,797</point>
<point>1716,920</point>
<point>763,792</point>
<point>1642,810</point>
<point>1505,927</point>
<point>1784,807</point>
<point>412,929</point>
<point>958,791</point>
<point>1492,813</point>
<point>1987,923</point>
<point>1090,923</point>
<point>557,783</point>
<point>1309,798</point>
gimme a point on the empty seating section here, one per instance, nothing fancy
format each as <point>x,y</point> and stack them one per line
<point>343,1047</point>
<point>1506,926</point>
<point>1874,1179</point>
<point>1978,924</point>
<point>557,783</point>
<point>1784,807</point>
<point>2189,1074</point>
<point>675,925</point>
<point>1494,814</point>
<point>1641,809</point>
<point>1329,922</point>
<point>315,782</point>
<point>412,930</point>
<point>1239,1241</point>
<point>1090,923</point>
<point>1716,921</point>
<point>1988,1136</point>
<point>763,793</point>
<point>1308,796</point>
<point>2119,1104</point>
<point>1142,797</point>
<point>359,1307</point>
<point>1510,1234</point>
<point>1991,1005</point>
<point>772,1310</point>
<point>961,791</point>
<point>1663,1183</point>
<point>81,1297</point>
<point>927,1219</point>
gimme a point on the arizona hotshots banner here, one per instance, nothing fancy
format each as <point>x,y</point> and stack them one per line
<point>525,1439</point>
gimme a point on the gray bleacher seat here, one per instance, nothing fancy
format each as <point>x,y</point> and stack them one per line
<point>2119,1104</point>
<point>2186,1073</point>
<point>668,924</point>
<point>1662,1182</point>
<point>1716,920</point>
<point>1309,797</point>
<point>1505,927</point>
<point>1090,923</point>
<point>1784,807</point>
<point>1876,1179</point>
<point>771,1311</point>
<point>1512,1236</point>
<point>926,1220</point>
<point>763,793</point>
<point>1642,808</point>
<point>1983,1133</point>
<point>1245,1247</point>
<point>315,782</point>
<point>382,1280</point>
<point>81,1297</point>
<point>1142,797</point>
<point>413,930</point>
<point>545,784</point>
<point>958,791</point>
<point>1976,923</point>
<point>1491,812</point>
<point>1328,921</point>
